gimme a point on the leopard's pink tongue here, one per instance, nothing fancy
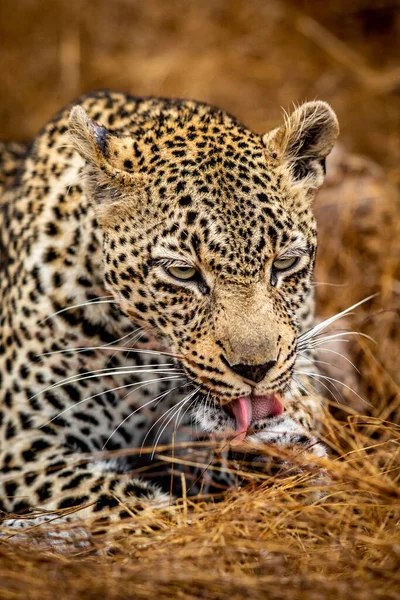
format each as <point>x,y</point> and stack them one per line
<point>249,408</point>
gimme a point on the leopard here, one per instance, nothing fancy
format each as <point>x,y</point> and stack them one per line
<point>156,260</point>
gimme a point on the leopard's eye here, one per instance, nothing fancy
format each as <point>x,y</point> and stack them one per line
<point>183,273</point>
<point>284,264</point>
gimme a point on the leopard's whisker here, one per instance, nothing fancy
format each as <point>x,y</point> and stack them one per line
<point>317,328</point>
<point>338,332</point>
<point>327,336</point>
<point>132,340</point>
<point>122,348</point>
<point>168,416</point>
<point>127,335</point>
<point>183,415</point>
<point>314,347</point>
<point>329,390</point>
<point>100,297</point>
<point>299,384</point>
<point>120,371</point>
<point>180,417</point>
<point>120,387</point>
<point>328,284</point>
<point>320,341</point>
<point>320,376</point>
<point>314,333</point>
<point>159,419</point>
<point>313,343</point>
<point>138,368</point>
<point>128,370</point>
<point>294,383</point>
<point>159,398</point>
<point>77,306</point>
<point>168,421</point>
<point>333,352</point>
<point>174,415</point>
<point>203,408</point>
<point>175,411</point>
<point>320,362</point>
<point>342,355</point>
<point>307,391</point>
<point>206,406</point>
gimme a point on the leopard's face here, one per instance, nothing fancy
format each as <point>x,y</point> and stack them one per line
<point>209,243</point>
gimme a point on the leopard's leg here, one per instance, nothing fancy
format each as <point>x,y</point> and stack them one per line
<point>69,487</point>
<point>287,433</point>
<point>293,451</point>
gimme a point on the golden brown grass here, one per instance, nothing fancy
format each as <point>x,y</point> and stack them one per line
<point>264,541</point>
<point>270,539</point>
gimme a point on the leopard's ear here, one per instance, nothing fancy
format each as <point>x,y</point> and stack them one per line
<point>304,141</point>
<point>109,157</point>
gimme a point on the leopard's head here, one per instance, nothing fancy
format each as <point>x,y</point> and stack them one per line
<point>210,241</point>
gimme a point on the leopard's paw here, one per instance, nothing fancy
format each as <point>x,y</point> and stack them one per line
<point>280,448</point>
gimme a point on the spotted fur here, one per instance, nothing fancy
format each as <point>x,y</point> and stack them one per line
<point>93,214</point>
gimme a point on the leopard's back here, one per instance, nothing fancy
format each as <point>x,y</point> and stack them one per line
<point>12,157</point>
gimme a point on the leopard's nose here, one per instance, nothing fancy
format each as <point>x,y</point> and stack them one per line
<point>255,373</point>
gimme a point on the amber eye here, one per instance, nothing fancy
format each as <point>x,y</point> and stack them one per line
<point>183,273</point>
<point>283,264</point>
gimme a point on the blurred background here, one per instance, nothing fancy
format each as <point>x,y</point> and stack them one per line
<point>253,58</point>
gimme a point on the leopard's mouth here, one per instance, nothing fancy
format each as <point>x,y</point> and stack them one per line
<point>248,409</point>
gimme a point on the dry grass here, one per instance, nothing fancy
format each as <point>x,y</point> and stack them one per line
<point>267,540</point>
<point>264,541</point>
